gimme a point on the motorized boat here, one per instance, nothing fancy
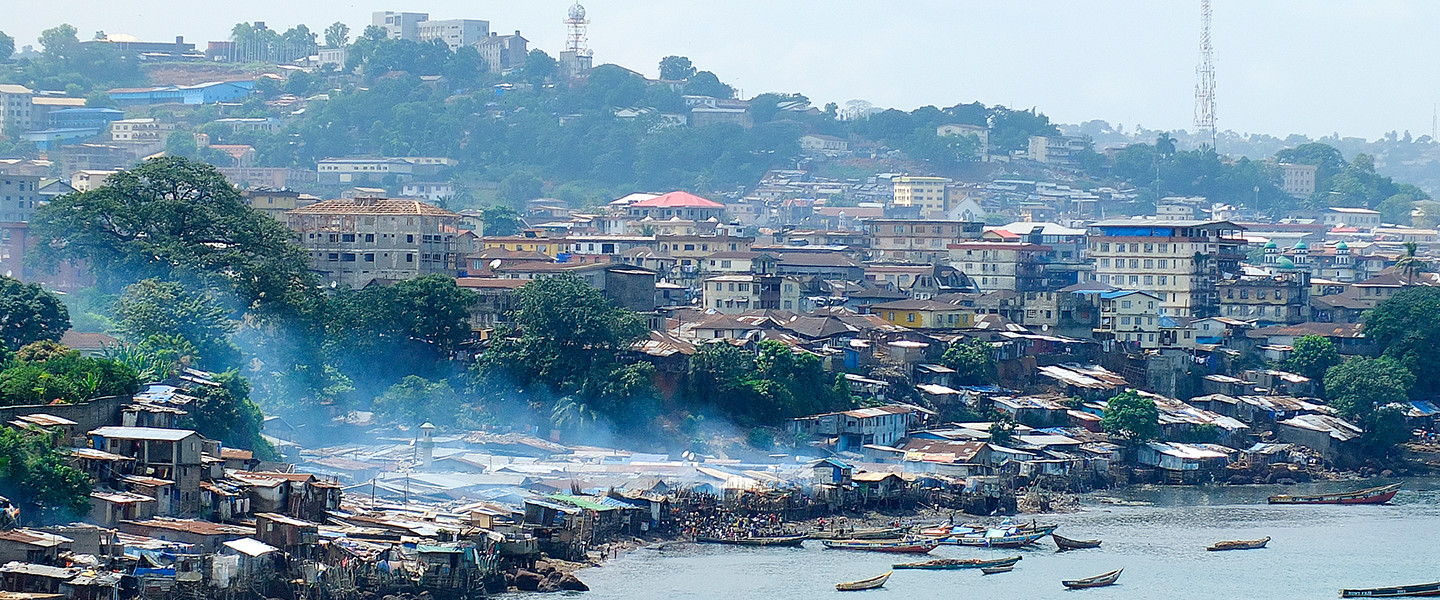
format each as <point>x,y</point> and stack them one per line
<point>959,563</point>
<point>1101,580</point>
<point>859,534</point>
<point>864,584</point>
<point>1239,545</point>
<point>997,539</point>
<point>1377,495</point>
<point>1420,590</point>
<point>896,546</point>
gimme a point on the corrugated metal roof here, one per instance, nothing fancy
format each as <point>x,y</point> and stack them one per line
<point>143,433</point>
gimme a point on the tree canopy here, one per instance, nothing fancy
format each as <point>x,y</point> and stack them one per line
<point>973,361</point>
<point>1133,416</point>
<point>167,317</point>
<point>1407,327</point>
<point>1312,356</point>
<point>1357,386</point>
<point>29,313</point>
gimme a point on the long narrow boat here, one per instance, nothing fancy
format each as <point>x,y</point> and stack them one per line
<point>863,584</point>
<point>1093,582</point>
<point>958,563</point>
<point>1239,545</point>
<point>1378,495</point>
<point>858,534</point>
<point>998,541</point>
<point>899,546</point>
<point>1001,569</point>
<point>1422,590</point>
<point>1065,543</point>
<point>793,541</point>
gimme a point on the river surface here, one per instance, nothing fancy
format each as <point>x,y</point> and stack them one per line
<point>1160,542</point>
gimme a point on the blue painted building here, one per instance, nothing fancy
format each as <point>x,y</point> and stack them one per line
<point>202,93</point>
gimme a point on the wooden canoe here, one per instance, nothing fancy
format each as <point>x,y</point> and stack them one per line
<point>1422,590</point>
<point>859,534</point>
<point>899,546</point>
<point>793,541</point>
<point>863,584</point>
<point>1065,543</point>
<point>959,563</point>
<point>1239,545</point>
<point>1001,569</point>
<point>1092,582</point>
<point>1378,495</point>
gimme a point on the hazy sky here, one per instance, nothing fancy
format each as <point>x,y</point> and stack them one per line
<point>1359,68</point>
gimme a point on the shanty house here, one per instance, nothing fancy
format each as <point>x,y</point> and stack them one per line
<point>883,425</point>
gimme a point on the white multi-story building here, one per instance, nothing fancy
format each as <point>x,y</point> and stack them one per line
<point>927,193</point>
<point>455,33</point>
<point>1298,180</point>
<point>140,131</point>
<point>15,109</point>
<point>731,294</point>
<point>1014,266</point>
<point>19,196</point>
<point>399,25</point>
<point>1180,261</point>
<point>1130,317</point>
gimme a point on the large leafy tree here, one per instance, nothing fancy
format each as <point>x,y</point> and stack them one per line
<point>1132,416</point>
<point>1407,327</point>
<point>156,314</point>
<point>35,475</point>
<point>1358,386</point>
<point>43,372</point>
<point>176,220</point>
<point>29,313</point>
<point>1312,356</point>
<point>381,334</point>
<point>973,361</point>
<point>337,35</point>
<point>676,68</point>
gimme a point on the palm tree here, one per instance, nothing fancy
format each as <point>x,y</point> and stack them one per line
<point>1409,265</point>
<point>570,414</point>
<point>1165,145</point>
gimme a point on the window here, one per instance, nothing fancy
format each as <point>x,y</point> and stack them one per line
<point>348,237</point>
<point>370,257</point>
<point>409,239</point>
<point>1125,304</point>
<point>1149,280</point>
<point>370,238</point>
<point>409,258</point>
<point>1124,320</point>
<point>1259,294</point>
<point>347,257</point>
<point>334,256</point>
<point>910,317</point>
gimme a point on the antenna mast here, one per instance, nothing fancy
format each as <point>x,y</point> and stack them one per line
<point>576,23</point>
<point>1205,75</point>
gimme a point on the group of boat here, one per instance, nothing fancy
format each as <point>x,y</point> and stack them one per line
<point>901,540</point>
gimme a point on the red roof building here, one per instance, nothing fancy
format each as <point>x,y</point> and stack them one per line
<point>683,205</point>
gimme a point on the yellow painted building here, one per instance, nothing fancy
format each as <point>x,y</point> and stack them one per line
<point>928,193</point>
<point>924,314</point>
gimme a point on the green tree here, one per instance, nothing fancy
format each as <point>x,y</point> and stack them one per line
<point>29,313</point>
<point>539,66</point>
<point>1357,386</point>
<point>381,334</point>
<point>7,47</point>
<point>59,42</point>
<point>1132,416</point>
<point>1312,356</point>
<point>153,311</point>
<point>500,220</point>
<point>34,475</point>
<point>520,187</point>
<point>1396,209</point>
<point>676,68</point>
<point>1384,430</point>
<point>226,413</point>
<point>1407,327</point>
<point>176,220</point>
<point>973,360</point>
<point>337,35</point>
<point>705,83</point>
<point>39,375</point>
<point>416,400</point>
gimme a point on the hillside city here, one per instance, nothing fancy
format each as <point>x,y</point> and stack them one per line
<point>424,308</point>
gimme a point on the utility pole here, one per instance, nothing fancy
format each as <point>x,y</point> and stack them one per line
<point>1205,84</point>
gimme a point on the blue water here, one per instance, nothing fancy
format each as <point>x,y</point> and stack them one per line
<point>1314,551</point>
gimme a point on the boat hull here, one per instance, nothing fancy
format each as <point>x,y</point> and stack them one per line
<point>994,570</point>
<point>1065,543</point>
<point>863,584</point>
<point>1379,495</point>
<point>1093,582</point>
<point>1239,545</point>
<point>1008,541</point>
<point>863,534</point>
<point>952,564</point>
<point>892,547</point>
<point>1423,590</point>
<point>793,541</point>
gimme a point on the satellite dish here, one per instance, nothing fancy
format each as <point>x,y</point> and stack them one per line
<point>332,285</point>
<point>494,264</point>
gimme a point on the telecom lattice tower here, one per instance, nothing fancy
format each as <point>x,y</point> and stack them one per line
<point>575,40</point>
<point>1205,75</point>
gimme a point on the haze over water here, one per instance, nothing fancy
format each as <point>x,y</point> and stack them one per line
<point>1313,552</point>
